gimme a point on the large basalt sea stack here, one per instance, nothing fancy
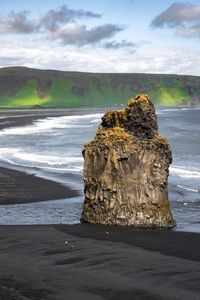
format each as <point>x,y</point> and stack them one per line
<point>126,169</point>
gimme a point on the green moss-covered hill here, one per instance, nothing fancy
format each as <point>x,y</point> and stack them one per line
<point>24,87</point>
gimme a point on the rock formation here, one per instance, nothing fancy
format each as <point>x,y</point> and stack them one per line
<point>126,169</point>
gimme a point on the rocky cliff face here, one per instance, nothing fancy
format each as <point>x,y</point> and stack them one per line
<point>126,169</point>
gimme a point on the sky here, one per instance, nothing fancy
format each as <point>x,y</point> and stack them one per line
<point>107,36</point>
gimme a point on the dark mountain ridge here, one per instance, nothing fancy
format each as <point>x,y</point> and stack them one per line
<point>27,87</point>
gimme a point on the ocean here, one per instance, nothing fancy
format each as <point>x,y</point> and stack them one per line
<point>52,147</point>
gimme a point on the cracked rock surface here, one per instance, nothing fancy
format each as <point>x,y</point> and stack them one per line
<point>126,170</point>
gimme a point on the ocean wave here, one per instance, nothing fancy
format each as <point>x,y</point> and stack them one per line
<point>18,157</point>
<point>159,113</point>
<point>184,173</point>
<point>96,120</point>
<point>76,169</point>
<point>46,159</point>
<point>187,188</point>
<point>50,123</point>
<point>176,109</point>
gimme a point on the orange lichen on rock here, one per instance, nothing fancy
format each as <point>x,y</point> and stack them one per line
<point>140,111</point>
<point>139,98</point>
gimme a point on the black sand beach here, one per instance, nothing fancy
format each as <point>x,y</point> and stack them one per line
<point>97,262</point>
<point>17,188</point>
<point>12,118</point>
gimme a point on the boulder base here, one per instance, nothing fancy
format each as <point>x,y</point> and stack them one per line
<point>126,170</point>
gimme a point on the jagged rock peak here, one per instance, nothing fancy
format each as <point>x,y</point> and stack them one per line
<point>138,118</point>
<point>126,169</point>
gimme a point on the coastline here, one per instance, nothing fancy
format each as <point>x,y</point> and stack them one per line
<point>17,187</point>
<point>20,188</point>
<point>13,118</point>
<point>97,262</point>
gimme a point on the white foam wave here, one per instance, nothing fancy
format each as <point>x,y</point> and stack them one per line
<point>47,124</point>
<point>184,173</point>
<point>176,109</point>
<point>159,113</point>
<point>187,188</point>
<point>17,156</point>
<point>96,121</point>
<point>76,169</point>
<point>46,159</point>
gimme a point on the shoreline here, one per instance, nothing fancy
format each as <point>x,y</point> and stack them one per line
<point>18,187</point>
<point>85,261</point>
<point>96,262</point>
<point>24,117</point>
<point>27,117</point>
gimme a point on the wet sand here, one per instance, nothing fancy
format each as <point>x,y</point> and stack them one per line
<point>18,188</point>
<point>97,262</point>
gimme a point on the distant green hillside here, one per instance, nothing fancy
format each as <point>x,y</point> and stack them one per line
<point>24,87</point>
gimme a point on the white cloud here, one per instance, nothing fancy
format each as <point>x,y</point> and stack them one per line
<point>54,17</point>
<point>17,23</point>
<point>73,34</point>
<point>70,58</point>
<point>184,17</point>
<point>59,25</point>
<point>118,45</point>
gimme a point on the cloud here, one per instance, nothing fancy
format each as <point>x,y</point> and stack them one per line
<point>53,18</point>
<point>184,17</point>
<point>119,45</point>
<point>20,23</point>
<point>144,60</point>
<point>60,25</point>
<point>190,31</point>
<point>17,23</point>
<point>176,14</point>
<point>11,60</point>
<point>73,34</point>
